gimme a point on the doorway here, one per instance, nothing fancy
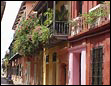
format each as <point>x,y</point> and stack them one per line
<point>79,68</point>
<point>63,74</point>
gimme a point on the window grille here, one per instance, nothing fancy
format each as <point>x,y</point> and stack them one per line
<point>97,60</point>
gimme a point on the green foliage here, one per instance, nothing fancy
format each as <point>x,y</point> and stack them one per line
<point>5,61</point>
<point>61,15</point>
<point>31,35</point>
<point>49,15</point>
<point>92,16</point>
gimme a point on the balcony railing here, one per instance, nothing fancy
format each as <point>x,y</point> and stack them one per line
<point>61,28</point>
<point>77,26</point>
<point>101,19</point>
<point>79,22</point>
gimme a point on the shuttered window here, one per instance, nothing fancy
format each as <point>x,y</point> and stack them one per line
<point>97,60</point>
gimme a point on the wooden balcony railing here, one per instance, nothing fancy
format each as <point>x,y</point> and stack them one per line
<point>61,28</point>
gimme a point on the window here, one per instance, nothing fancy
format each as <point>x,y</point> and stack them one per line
<point>54,57</point>
<point>97,60</point>
<point>47,59</point>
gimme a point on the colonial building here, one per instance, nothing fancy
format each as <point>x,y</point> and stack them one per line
<point>77,54</point>
<point>24,69</point>
<point>89,52</point>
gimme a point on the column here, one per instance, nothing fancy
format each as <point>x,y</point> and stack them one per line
<point>50,70</point>
<point>83,67</point>
<point>70,72</point>
<point>44,67</point>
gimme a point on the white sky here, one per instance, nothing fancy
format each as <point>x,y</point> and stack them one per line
<point>7,22</point>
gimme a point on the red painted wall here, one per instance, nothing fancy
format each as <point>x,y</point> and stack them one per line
<point>104,40</point>
<point>86,6</point>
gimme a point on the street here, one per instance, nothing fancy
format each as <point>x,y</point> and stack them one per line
<point>4,81</point>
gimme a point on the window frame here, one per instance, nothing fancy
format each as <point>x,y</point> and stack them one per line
<point>97,52</point>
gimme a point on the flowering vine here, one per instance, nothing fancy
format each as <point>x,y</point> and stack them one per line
<point>32,35</point>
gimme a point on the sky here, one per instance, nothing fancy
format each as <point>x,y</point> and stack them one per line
<point>10,13</point>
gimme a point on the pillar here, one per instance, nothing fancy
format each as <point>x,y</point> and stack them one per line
<point>83,67</point>
<point>44,67</point>
<point>70,72</point>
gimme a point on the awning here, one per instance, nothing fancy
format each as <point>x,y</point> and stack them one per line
<point>17,55</point>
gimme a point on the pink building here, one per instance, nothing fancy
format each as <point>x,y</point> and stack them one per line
<point>89,52</point>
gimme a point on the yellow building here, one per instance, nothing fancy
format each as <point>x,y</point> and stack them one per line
<point>55,65</point>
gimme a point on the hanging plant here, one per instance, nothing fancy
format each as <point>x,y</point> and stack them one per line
<point>31,35</point>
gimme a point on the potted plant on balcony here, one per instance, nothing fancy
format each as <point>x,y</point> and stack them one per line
<point>96,16</point>
<point>62,15</point>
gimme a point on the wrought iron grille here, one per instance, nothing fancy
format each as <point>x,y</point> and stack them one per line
<point>97,61</point>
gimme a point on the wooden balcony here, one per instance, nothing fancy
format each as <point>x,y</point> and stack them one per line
<point>60,30</point>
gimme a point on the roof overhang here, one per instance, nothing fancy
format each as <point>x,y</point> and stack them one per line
<point>15,56</point>
<point>38,5</point>
<point>20,12</point>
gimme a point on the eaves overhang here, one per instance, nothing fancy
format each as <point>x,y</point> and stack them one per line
<point>20,12</point>
<point>15,56</point>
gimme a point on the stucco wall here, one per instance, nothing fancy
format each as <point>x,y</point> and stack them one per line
<point>92,42</point>
<point>103,40</point>
<point>51,64</point>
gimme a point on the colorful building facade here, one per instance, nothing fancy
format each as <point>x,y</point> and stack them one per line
<point>73,54</point>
